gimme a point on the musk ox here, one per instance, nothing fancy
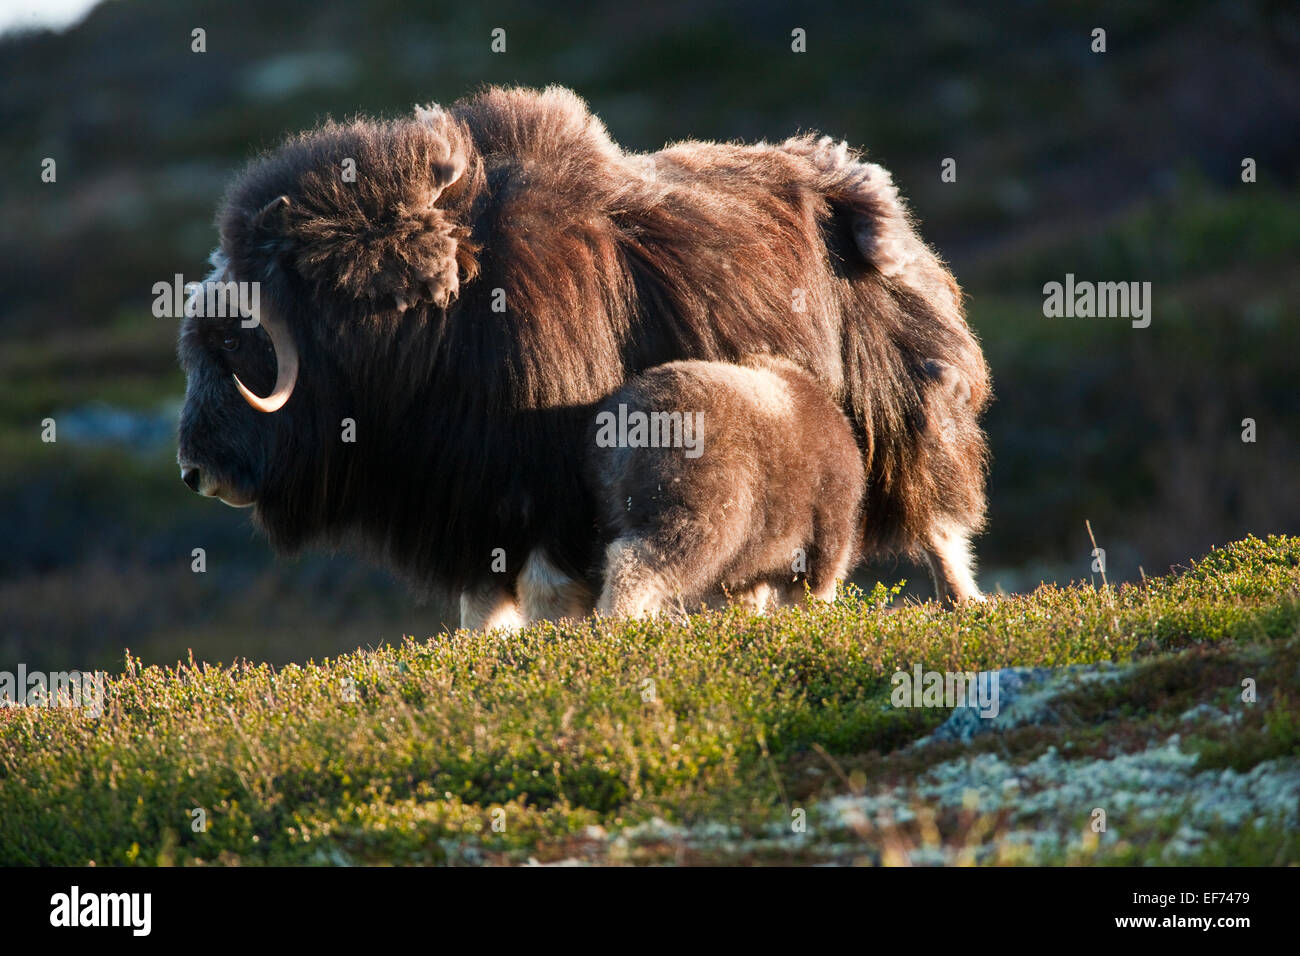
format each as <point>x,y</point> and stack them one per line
<point>719,481</point>
<point>446,297</point>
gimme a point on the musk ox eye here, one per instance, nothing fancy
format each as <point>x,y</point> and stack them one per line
<point>230,342</point>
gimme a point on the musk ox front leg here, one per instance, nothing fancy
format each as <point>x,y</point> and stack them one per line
<point>490,607</point>
<point>542,592</point>
<point>548,594</point>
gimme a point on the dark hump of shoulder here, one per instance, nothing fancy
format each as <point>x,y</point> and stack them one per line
<point>543,136</point>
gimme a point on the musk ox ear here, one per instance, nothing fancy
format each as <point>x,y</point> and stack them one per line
<point>383,235</point>
<point>268,215</point>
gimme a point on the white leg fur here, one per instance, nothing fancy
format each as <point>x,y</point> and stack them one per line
<point>490,608</point>
<point>632,588</point>
<point>827,592</point>
<point>759,598</point>
<point>548,594</point>
<point>951,565</point>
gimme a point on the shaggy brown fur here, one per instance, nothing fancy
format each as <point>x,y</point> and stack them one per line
<point>768,499</point>
<point>498,268</point>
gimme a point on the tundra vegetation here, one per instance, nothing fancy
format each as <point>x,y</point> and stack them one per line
<point>698,742</point>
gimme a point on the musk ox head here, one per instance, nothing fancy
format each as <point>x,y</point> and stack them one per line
<point>349,238</point>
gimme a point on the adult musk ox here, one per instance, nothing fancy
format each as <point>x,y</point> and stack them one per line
<point>456,291</point>
<point>727,481</point>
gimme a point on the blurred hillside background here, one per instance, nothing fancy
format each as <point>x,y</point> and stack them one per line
<point>1116,166</point>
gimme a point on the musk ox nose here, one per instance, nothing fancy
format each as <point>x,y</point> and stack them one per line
<point>191,477</point>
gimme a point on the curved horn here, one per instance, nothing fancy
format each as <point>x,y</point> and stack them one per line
<point>286,354</point>
<point>286,368</point>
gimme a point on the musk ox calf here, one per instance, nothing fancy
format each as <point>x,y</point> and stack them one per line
<point>717,480</point>
<point>446,297</point>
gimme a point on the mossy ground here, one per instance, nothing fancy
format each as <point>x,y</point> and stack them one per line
<point>617,741</point>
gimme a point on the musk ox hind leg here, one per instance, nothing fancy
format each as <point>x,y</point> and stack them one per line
<point>951,565</point>
<point>953,432</point>
<point>929,488</point>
